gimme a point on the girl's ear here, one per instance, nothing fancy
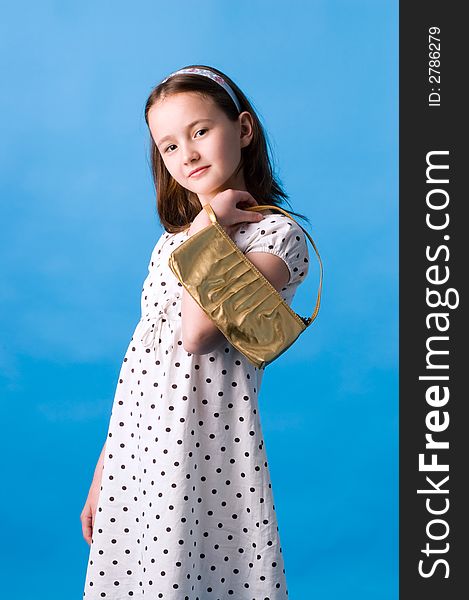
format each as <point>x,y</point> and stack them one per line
<point>247,128</point>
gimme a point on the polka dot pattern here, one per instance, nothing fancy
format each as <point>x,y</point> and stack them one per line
<point>186,508</point>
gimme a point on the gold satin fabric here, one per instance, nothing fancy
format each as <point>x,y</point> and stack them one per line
<point>239,299</point>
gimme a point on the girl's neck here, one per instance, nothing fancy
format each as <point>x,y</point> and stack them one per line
<point>234,182</point>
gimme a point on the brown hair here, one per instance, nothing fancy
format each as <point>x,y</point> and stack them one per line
<point>177,207</point>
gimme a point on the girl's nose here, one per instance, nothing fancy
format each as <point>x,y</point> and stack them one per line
<point>190,154</point>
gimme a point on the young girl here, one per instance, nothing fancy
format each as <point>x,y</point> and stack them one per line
<point>181,505</point>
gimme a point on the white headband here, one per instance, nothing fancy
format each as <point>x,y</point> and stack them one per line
<point>211,75</point>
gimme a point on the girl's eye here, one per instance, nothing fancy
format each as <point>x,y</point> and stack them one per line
<point>205,129</point>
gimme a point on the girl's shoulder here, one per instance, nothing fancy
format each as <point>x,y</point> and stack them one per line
<point>168,238</point>
<point>160,244</point>
<point>274,227</point>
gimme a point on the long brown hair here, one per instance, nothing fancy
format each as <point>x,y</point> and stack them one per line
<point>177,207</point>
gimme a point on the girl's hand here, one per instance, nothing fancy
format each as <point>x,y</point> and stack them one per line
<point>88,513</point>
<point>228,207</point>
<point>89,510</point>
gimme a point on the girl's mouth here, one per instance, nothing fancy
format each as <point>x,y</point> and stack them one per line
<point>199,172</point>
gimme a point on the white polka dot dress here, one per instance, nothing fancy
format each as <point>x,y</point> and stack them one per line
<point>186,509</point>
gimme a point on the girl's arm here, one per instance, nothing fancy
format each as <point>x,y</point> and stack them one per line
<point>199,334</point>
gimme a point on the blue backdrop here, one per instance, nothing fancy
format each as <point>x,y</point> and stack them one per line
<point>78,226</point>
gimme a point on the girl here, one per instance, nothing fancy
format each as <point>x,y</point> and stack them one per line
<point>181,505</point>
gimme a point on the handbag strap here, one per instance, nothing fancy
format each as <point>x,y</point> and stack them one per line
<point>308,320</point>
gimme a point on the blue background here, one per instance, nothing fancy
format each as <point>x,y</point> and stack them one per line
<point>78,226</point>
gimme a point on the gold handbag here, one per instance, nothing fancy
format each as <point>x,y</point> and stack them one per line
<point>238,298</point>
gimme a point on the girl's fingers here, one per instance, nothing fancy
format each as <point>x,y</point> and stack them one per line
<point>234,205</point>
<point>87,526</point>
<point>247,200</point>
<point>252,216</point>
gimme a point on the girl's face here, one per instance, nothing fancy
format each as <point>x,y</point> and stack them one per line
<point>192,132</point>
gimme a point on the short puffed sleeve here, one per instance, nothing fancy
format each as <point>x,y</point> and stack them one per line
<point>280,235</point>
